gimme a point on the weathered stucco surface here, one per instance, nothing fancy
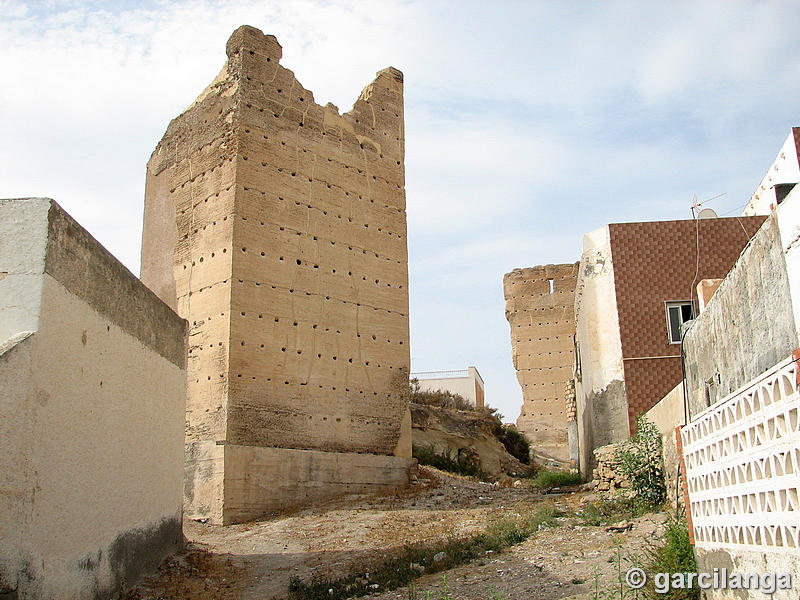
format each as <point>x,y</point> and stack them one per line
<point>277,227</point>
<point>540,311</point>
<point>599,378</point>
<point>784,169</point>
<point>746,328</point>
<point>91,415</point>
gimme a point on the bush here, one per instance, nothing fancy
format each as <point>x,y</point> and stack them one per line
<point>545,478</point>
<point>640,461</point>
<point>427,455</point>
<point>516,443</point>
<point>675,556</point>
<point>610,510</point>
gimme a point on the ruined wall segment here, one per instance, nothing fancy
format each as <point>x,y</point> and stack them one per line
<point>540,311</point>
<point>280,225</point>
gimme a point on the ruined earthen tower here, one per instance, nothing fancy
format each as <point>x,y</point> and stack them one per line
<point>277,228</point>
<point>540,308</point>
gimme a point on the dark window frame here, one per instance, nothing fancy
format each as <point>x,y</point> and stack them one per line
<point>677,314</point>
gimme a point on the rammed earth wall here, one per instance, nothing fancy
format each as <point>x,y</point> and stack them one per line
<point>277,227</point>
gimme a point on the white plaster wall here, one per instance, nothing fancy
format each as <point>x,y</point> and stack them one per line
<point>21,264</point>
<point>789,227</point>
<point>102,432</point>
<point>784,169</point>
<point>17,401</point>
<point>599,344</point>
<point>464,386</point>
<point>596,313</point>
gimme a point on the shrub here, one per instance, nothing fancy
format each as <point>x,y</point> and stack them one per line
<point>545,478</point>
<point>610,510</point>
<point>516,443</point>
<point>675,556</point>
<point>427,455</point>
<point>640,461</point>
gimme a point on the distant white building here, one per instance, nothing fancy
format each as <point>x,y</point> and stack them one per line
<point>466,382</point>
<point>780,178</point>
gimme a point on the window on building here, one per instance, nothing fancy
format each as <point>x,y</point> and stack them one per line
<point>677,314</point>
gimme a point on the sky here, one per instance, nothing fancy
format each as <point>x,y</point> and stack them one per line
<point>528,124</point>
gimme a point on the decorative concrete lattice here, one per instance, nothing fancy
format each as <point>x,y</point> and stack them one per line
<point>742,459</point>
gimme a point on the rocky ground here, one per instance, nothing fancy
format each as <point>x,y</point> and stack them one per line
<point>257,560</point>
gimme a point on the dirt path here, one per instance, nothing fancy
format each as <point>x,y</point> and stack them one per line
<point>255,561</point>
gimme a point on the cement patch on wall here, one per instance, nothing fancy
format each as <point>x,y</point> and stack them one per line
<point>229,483</point>
<point>604,421</point>
<point>262,480</point>
<point>744,560</point>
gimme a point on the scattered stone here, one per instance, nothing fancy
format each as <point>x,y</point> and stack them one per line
<point>620,527</point>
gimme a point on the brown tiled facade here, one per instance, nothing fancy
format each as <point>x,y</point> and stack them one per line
<point>654,263</point>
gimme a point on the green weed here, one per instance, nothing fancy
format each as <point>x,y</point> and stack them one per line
<point>412,560</point>
<point>545,478</point>
<point>427,455</point>
<point>611,510</point>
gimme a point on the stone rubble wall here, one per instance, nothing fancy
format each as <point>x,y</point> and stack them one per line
<point>607,476</point>
<point>570,407</point>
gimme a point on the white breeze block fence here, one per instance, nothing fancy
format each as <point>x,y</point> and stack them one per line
<point>742,459</point>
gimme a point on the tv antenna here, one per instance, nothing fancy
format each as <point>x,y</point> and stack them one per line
<point>705,213</point>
